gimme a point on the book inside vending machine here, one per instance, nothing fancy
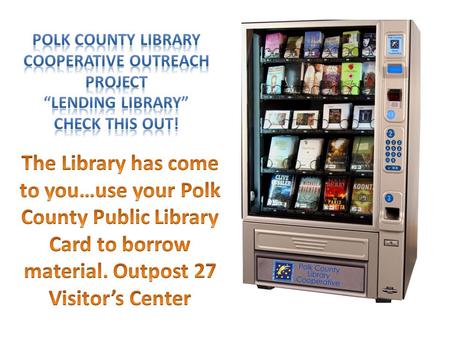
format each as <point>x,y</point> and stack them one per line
<point>331,156</point>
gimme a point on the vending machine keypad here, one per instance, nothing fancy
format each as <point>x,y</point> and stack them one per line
<point>393,149</point>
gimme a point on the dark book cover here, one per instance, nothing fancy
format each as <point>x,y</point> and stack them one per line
<point>293,47</point>
<point>362,197</point>
<point>335,197</point>
<point>293,79</point>
<point>308,196</point>
<point>362,153</point>
<point>280,191</point>
<point>369,44</point>
<point>331,79</point>
<point>337,154</point>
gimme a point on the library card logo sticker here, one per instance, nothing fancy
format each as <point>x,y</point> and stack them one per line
<point>282,271</point>
<point>394,45</point>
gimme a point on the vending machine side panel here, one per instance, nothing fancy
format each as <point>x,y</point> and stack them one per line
<point>412,205</point>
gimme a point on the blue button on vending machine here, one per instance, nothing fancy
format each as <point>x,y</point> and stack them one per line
<point>390,133</point>
<point>394,68</point>
<point>390,114</point>
<point>388,198</point>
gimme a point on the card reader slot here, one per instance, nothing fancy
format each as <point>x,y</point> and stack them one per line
<point>392,214</point>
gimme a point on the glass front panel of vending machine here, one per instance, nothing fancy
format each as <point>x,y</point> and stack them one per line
<point>310,124</point>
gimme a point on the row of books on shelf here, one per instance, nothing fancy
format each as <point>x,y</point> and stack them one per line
<point>335,196</point>
<point>348,78</point>
<point>335,116</point>
<point>289,152</point>
<point>314,44</point>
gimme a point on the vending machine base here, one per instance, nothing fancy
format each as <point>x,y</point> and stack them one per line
<point>314,259</point>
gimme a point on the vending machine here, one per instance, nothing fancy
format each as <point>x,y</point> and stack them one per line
<point>330,156</point>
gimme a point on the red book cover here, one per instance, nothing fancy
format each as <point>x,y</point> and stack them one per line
<point>335,197</point>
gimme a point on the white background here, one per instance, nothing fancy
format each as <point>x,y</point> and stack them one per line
<point>210,127</point>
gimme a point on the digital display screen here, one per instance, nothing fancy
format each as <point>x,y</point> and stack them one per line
<point>394,95</point>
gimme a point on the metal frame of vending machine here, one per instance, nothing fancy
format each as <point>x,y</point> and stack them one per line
<point>368,256</point>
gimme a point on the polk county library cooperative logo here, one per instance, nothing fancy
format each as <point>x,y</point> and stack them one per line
<point>282,271</point>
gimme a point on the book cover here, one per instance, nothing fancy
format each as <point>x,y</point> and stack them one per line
<point>308,195</point>
<point>362,153</point>
<point>313,44</point>
<point>312,78</point>
<point>281,151</point>
<point>335,196</point>
<point>293,47</point>
<point>331,79</point>
<point>274,81</point>
<point>273,45</point>
<point>294,74</point>
<point>305,119</point>
<point>308,156</point>
<point>362,197</point>
<point>369,44</point>
<point>280,191</point>
<point>368,70</point>
<point>350,44</point>
<point>331,47</point>
<point>337,154</point>
<point>336,115</point>
<point>363,117</point>
<point>277,119</point>
<point>351,75</point>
